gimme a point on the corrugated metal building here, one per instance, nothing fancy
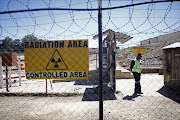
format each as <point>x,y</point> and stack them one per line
<point>162,38</point>
<point>171,64</point>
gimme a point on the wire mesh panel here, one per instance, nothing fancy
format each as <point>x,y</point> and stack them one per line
<point>54,73</point>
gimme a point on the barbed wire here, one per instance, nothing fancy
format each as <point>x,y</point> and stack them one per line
<point>88,19</point>
<point>72,9</point>
<point>70,19</point>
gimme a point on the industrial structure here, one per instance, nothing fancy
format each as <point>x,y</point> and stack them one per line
<point>171,64</point>
<point>167,38</point>
<point>109,54</point>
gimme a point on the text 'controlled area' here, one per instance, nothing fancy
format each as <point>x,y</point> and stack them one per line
<point>57,75</point>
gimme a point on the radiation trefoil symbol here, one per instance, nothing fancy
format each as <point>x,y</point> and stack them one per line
<point>56,62</point>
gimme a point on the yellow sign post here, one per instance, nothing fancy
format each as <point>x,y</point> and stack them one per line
<point>66,59</point>
<point>139,50</point>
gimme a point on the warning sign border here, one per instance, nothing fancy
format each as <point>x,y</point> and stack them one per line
<point>40,64</point>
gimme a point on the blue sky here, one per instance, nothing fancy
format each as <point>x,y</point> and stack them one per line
<point>140,22</point>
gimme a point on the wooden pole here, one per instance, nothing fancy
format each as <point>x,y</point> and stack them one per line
<point>51,84</point>
<point>1,73</point>
<point>9,72</point>
<point>19,69</point>
<point>46,86</point>
<point>7,79</point>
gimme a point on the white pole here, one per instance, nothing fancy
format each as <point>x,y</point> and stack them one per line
<point>9,70</point>
<point>1,73</point>
<point>19,69</point>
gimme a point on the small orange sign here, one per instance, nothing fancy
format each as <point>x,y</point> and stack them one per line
<point>139,50</point>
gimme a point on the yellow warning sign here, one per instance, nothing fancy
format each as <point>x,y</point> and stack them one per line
<point>139,50</point>
<point>65,59</point>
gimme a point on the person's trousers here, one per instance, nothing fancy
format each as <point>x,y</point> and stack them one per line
<point>137,77</point>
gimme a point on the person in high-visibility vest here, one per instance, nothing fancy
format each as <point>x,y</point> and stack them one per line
<point>136,70</point>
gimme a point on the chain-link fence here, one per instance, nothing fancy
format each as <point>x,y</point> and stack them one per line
<point>52,66</point>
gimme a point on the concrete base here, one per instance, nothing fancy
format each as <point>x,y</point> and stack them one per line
<point>153,70</point>
<point>120,74</point>
<point>160,71</point>
<point>123,75</point>
<point>150,70</point>
<point>93,75</point>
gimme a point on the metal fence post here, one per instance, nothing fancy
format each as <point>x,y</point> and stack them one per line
<point>114,71</point>
<point>96,61</point>
<point>46,87</point>
<point>100,60</point>
<point>1,73</point>
<point>114,64</point>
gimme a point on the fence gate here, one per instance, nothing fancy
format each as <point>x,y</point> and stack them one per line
<point>74,59</point>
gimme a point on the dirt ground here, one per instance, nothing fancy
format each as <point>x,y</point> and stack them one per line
<point>74,108</point>
<point>157,103</point>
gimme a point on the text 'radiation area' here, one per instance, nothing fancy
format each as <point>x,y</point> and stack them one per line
<point>56,44</point>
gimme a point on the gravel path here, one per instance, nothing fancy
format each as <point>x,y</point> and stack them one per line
<point>73,108</point>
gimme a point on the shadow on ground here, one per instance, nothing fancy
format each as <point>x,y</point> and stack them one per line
<point>86,82</point>
<point>130,97</point>
<point>170,93</point>
<point>92,94</point>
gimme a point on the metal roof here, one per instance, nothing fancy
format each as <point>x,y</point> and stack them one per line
<point>174,45</point>
<point>120,37</point>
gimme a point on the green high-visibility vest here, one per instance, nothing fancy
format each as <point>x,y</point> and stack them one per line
<point>137,66</point>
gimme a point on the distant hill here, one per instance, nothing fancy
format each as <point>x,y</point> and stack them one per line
<point>153,47</point>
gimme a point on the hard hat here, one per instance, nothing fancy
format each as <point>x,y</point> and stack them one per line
<point>139,54</point>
